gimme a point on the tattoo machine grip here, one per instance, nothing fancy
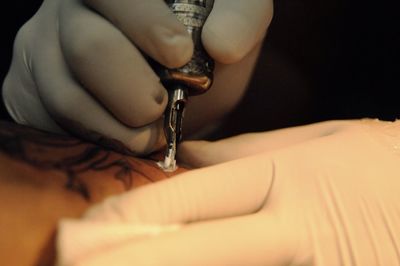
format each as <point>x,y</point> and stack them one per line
<point>194,78</point>
<point>197,74</point>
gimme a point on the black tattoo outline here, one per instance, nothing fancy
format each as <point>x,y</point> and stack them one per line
<point>23,143</point>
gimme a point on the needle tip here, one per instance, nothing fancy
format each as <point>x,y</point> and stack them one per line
<point>169,164</point>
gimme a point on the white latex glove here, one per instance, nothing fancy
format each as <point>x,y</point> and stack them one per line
<point>325,194</point>
<point>77,66</point>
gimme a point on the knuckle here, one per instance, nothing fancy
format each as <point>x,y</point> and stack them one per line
<point>85,46</point>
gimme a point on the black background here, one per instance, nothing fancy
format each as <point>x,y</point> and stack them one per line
<point>326,59</point>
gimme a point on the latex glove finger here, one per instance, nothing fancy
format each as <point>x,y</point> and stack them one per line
<point>73,108</point>
<point>16,92</point>
<point>194,196</point>
<point>333,201</point>
<point>151,26</point>
<point>110,67</point>
<point>251,240</point>
<point>204,153</point>
<point>77,239</point>
<point>235,27</point>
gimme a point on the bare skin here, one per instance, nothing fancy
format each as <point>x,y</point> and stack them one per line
<point>46,177</point>
<point>271,183</point>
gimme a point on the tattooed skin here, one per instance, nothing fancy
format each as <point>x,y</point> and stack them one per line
<point>46,177</point>
<point>73,157</point>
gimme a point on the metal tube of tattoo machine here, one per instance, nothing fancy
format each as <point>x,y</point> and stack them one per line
<point>193,78</point>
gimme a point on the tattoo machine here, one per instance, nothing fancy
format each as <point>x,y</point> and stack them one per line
<point>194,78</point>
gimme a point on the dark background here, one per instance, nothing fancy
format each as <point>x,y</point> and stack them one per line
<point>322,59</point>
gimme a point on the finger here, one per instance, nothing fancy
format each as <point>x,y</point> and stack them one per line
<point>203,153</point>
<point>75,110</point>
<point>151,26</point>
<point>19,88</point>
<point>235,27</point>
<point>110,67</point>
<point>220,191</point>
<point>250,240</point>
<point>77,238</point>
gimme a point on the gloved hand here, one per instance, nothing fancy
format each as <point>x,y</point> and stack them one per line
<point>77,66</point>
<point>325,194</point>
